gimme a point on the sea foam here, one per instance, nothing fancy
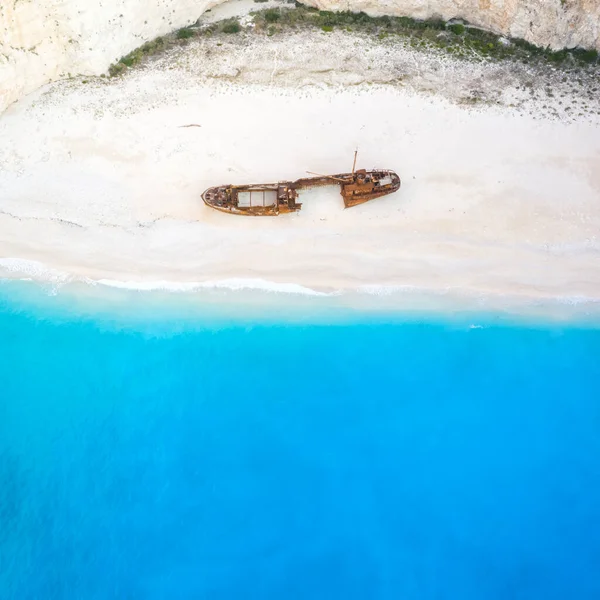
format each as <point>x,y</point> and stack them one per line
<point>234,284</point>
<point>390,295</point>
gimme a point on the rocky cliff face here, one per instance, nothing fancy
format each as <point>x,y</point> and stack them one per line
<point>45,40</point>
<point>554,23</point>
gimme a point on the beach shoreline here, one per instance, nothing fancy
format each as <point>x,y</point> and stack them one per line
<point>101,181</point>
<point>224,303</point>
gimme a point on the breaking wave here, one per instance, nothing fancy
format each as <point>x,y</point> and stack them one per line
<point>31,270</point>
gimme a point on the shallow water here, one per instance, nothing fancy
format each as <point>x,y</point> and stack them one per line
<point>158,457</point>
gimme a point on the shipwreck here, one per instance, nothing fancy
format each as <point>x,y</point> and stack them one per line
<point>272,199</point>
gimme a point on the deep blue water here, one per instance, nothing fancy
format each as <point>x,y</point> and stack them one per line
<point>379,460</point>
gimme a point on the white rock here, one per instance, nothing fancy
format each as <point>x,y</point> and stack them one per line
<point>46,40</point>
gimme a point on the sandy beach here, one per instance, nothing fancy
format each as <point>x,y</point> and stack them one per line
<point>101,179</point>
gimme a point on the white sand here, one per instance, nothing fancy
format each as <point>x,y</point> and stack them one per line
<point>101,180</point>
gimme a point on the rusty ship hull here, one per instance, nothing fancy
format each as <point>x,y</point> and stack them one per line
<point>272,199</point>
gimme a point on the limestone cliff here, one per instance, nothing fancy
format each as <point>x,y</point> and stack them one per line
<point>45,40</point>
<point>554,23</point>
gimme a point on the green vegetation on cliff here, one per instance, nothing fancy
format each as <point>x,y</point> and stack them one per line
<point>458,39</point>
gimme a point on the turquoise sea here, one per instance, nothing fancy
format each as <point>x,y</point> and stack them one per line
<point>150,451</point>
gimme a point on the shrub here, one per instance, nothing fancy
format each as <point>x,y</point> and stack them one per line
<point>327,28</point>
<point>457,28</point>
<point>586,56</point>
<point>272,15</point>
<point>435,24</point>
<point>185,33</point>
<point>557,57</point>
<point>127,60</point>
<point>231,27</point>
<point>153,46</point>
<point>527,47</point>
<point>117,69</point>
